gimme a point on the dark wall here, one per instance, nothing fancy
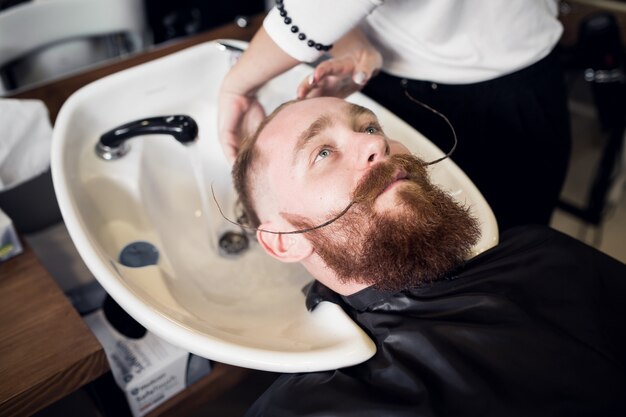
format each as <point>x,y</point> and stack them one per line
<point>172,19</point>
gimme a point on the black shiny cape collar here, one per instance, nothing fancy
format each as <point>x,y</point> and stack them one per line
<point>316,292</point>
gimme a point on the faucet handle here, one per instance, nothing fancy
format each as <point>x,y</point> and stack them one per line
<point>112,144</point>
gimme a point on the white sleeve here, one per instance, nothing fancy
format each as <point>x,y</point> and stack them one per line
<point>322,21</point>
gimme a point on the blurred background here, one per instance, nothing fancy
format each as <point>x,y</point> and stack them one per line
<point>91,32</point>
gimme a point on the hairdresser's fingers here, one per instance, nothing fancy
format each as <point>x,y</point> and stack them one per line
<point>358,72</point>
<point>360,67</point>
<point>334,67</point>
<point>339,67</point>
<point>369,63</point>
<point>340,77</point>
<point>229,120</point>
<point>305,86</point>
<point>333,87</point>
<point>237,116</point>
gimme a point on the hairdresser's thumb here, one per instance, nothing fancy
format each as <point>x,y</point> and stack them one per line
<point>360,78</point>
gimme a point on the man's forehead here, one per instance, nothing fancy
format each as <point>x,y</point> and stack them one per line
<point>299,118</point>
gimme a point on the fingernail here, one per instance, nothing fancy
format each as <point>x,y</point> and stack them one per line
<point>359,78</point>
<point>311,79</point>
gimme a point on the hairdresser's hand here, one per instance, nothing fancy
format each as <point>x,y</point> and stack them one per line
<point>355,61</point>
<point>238,117</point>
<point>340,77</point>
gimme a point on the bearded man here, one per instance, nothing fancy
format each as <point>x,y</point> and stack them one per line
<point>531,327</point>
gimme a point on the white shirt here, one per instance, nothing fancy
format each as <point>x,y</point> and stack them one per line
<point>445,41</point>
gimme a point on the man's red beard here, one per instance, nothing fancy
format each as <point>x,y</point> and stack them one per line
<point>426,236</point>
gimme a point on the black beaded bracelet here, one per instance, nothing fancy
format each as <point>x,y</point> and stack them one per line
<point>295,29</point>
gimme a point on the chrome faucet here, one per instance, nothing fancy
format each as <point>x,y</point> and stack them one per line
<point>234,51</point>
<point>112,144</point>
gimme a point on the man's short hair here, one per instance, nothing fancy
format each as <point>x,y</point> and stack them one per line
<point>244,167</point>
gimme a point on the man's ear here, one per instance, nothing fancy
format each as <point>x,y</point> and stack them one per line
<point>285,248</point>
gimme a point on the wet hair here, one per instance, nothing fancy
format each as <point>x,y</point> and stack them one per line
<point>244,167</point>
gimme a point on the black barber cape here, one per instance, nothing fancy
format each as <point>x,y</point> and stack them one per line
<point>533,327</point>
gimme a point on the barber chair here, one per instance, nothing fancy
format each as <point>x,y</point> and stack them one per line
<point>42,39</point>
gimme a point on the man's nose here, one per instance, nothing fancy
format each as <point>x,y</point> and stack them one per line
<point>371,149</point>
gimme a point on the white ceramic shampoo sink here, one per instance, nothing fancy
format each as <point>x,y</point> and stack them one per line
<point>245,309</point>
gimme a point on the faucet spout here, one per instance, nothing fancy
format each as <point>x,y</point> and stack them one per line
<point>112,144</point>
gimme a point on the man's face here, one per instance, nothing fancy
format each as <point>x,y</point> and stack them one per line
<point>315,152</point>
<point>318,156</point>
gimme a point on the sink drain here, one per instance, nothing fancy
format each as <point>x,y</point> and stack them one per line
<point>138,254</point>
<point>233,243</point>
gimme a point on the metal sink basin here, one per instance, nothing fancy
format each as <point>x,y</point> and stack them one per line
<point>244,309</point>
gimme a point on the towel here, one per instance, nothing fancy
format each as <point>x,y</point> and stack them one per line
<point>25,139</point>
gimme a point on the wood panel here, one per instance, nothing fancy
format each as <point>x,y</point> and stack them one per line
<point>46,350</point>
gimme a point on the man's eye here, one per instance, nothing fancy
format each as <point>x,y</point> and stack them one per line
<point>372,130</point>
<point>324,153</point>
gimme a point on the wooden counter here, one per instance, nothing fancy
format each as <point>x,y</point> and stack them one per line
<point>46,350</point>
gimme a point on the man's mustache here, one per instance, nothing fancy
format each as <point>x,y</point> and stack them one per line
<point>384,173</point>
